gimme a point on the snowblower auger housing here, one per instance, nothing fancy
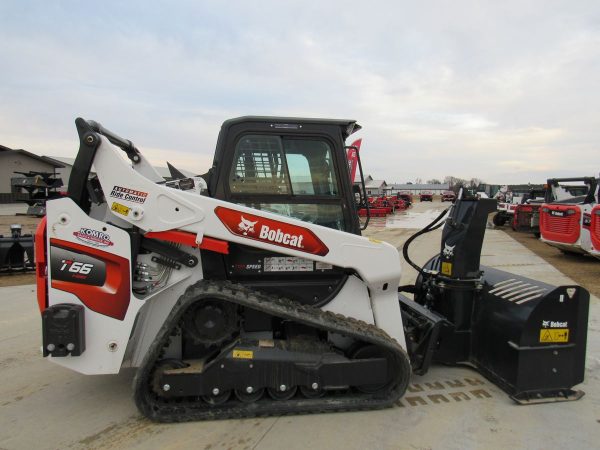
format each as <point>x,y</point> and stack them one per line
<point>527,337</point>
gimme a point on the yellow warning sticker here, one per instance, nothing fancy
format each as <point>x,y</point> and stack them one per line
<point>554,335</point>
<point>447,268</point>
<point>243,354</point>
<point>120,209</point>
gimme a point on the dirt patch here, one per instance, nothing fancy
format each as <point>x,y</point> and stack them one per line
<point>29,224</point>
<point>583,269</point>
<point>16,279</point>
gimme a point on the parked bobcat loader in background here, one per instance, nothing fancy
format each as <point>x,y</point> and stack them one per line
<point>595,231</point>
<point>566,214</point>
<point>260,297</point>
<point>527,213</point>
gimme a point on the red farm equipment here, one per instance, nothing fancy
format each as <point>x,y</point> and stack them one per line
<point>526,214</point>
<point>398,203</point>
<point>406,197</point>
<point>448,196</point>
<point>426,196</point>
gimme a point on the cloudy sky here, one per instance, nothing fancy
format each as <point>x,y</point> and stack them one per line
<point>505,91</point>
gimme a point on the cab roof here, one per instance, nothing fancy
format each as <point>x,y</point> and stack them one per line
<point>347,126</point>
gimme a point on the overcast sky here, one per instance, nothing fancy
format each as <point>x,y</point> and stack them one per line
<point>505,91</point>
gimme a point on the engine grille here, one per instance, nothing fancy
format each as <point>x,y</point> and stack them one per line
<point>562,225</point>
<point>595,228</point>
<point>565,228</point>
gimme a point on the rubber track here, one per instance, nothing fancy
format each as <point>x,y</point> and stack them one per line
<point>193,408</point>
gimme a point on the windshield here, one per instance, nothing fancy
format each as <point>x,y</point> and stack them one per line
<point>297,170</point>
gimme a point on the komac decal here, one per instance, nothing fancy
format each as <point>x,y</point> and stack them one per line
<point>93,237</point>
<point>271,231</point>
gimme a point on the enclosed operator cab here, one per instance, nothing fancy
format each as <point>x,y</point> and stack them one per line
<point>294,167</point>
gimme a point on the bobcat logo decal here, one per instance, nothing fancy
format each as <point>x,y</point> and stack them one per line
<point>246,226</point>
<point>448,251</point>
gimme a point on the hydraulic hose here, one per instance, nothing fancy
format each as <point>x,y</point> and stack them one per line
<point>434,225</point>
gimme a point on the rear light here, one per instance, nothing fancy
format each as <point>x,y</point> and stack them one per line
<point>545,210</point>
<point>570,212</point>
<point>597,212</point>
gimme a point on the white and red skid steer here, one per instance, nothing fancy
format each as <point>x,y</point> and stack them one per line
<point>249,290</point>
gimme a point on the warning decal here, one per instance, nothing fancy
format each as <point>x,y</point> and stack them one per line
<point>120,209</point>
<point>554,335</point>
<point>243,354</point>
<point>446,268</point>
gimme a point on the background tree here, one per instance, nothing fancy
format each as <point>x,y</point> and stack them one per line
<point>454,181</point>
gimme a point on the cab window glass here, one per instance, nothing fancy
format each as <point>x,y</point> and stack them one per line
<point>258,166</point>
<point>272,165</point>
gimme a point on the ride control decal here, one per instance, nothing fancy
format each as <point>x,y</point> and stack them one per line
<point>271,231</point>
<point>131,195</point>
<point>93,237</point>
<point>119,209</point>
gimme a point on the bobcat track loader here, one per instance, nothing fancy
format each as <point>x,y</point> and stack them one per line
<point>566,214</point>
<point>249,291</point>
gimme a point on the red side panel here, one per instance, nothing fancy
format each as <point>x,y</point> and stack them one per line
<point>560,223</point>
<point>185,238</point>
<point>271,231</point>
<point>595,227</point>
<point>101,280</point>
<point>40,265</point>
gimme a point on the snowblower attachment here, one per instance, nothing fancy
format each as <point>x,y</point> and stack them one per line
<point>527,337</point>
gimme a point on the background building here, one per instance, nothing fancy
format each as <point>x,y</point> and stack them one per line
<point>18,160</point>
<point>393,189</point>
<point>375,187</point>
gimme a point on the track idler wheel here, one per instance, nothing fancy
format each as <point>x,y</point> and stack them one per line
<point>211,322</point>
<point>217,397</point>
<point>310,392</point>
<point>249,395</point>
<point>283,392</point>
<point>373,351</point>
<point>161,366</point>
